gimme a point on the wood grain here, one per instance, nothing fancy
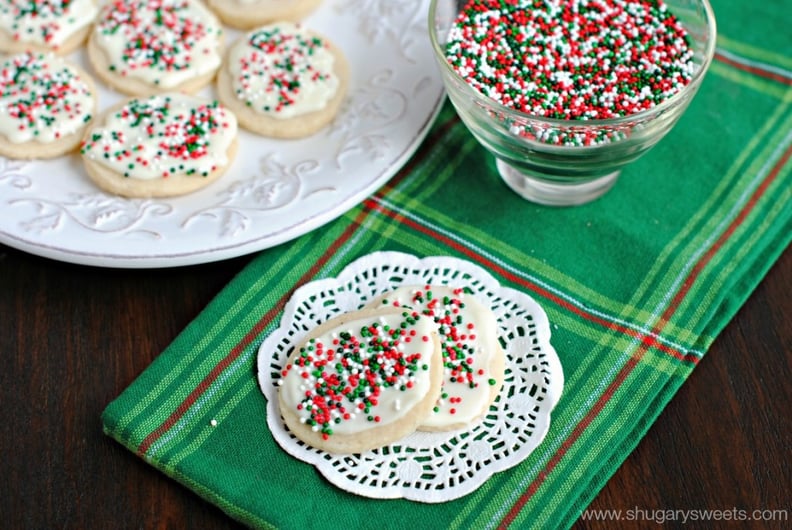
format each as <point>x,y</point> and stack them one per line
<point>74,337</point>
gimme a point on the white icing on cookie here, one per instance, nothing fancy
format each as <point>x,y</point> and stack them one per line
<point>368,372</point>
<point>45,22</point>
<point>163,135</point>
<point>161,42</point>
<point>283,71</point>
<point>42,98</point>
<point>469,336</point>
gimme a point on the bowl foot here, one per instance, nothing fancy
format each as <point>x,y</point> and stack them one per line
<point>543,191</point>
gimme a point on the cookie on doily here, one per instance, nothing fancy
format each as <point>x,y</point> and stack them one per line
<point>46,25</point>
<point>160,146</point>
<point>361,380</point>
<point>283,80</point>
<point>46,103</point>
<point>247,14</point>
<point>473,360</point>
<point>424,466</point>
<point>145,47</point>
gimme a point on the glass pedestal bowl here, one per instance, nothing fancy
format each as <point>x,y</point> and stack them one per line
<point>566,162</point>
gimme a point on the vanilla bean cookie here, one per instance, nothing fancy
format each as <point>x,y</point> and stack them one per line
<point>248,14</point>
<point>361,380</point>
<point>145,47</point>
<point>58,26</point>
<point>283,81</point>
<point>46,104</point>
<point>160,146</point>
<point>473,360</point>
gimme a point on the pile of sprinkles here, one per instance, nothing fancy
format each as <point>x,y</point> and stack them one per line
<point>279,65</point>
<point>41,98</point>
<point>458,339</point>
<point>571,59</point>
<point>160,36</point>
<point>161,136</point>
<point>345,378</point>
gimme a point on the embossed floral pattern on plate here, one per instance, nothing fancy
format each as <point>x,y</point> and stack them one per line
<point>275,191</point>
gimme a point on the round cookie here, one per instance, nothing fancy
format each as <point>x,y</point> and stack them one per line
<point>473,359</point>
<point>283,81</point>
<point>160,146</point>
<point>58,26</point>
<point>145,47</point>
<point>46,104</point>
<point>361,380</point>
<point>248,14</point>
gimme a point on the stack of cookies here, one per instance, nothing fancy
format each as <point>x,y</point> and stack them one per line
<point>278,80</point>
<point>422,358</point>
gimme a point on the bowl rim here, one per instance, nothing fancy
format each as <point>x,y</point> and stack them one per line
<point>709,54</point>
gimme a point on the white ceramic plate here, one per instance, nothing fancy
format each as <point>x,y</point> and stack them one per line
<point>276,190</point>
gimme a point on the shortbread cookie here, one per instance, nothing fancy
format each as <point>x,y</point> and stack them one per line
<point>58,26</point>
<point>362,380</point>
<point>248,14</point>
<point>283,81</point>
<point>473,359</point>
<point>145,47</point>
<point>160,146</point>
<point>46,104</point>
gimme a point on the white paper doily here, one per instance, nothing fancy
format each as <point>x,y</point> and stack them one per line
<point>426,467</point>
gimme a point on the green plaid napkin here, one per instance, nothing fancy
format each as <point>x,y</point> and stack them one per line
<point>636,285</point>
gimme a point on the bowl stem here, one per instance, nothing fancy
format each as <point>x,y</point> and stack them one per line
<point>536,188</point>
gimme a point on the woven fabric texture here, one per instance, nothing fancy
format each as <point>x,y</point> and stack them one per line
<point>636,285</point>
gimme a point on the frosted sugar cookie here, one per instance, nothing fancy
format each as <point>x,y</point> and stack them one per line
<point>283,81</point>
<point>144,47</point>
<point>247,14</point>
<point>59,26</point>
<point>160,146</point>
<point>473,359</point>
<point>361,380</point>
<point>46,103</point>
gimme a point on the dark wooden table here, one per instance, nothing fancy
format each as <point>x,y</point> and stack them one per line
<point>73,337</point>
